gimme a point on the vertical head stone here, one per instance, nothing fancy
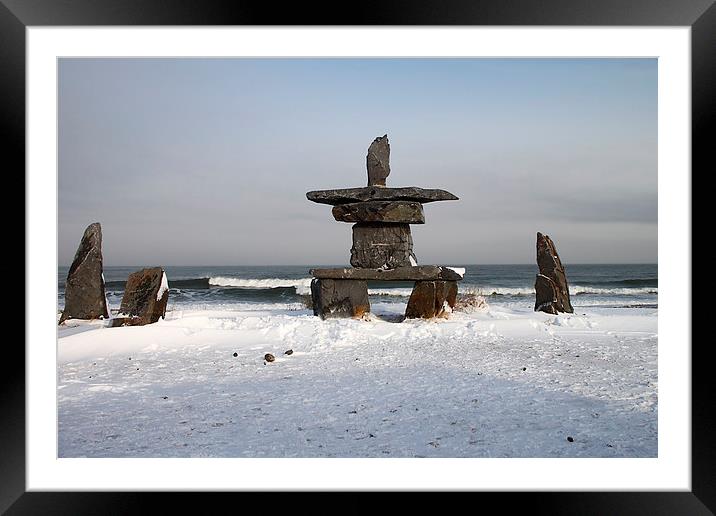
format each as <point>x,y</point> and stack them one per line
<point>378,161</point>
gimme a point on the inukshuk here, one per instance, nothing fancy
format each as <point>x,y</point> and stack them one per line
<point>382,245</point>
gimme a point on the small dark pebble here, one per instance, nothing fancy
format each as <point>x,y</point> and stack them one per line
<point>524,369</point>
<point>570,439</point>
<point>371,435</point>
<point>610,446</point>
<point>164,397</point>
<point>269,357</point>
<point>137,369</point>
<point>236,354</point>
<point>90,377</point>
<point>288,352</point>
<point>130,358</point>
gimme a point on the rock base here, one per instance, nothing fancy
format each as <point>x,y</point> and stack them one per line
<point>339,298</point>
<point>145,297</point>
<point>431,299</point>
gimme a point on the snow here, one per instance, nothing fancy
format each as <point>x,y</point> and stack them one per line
<point>458,270</point>
<point>163,287</point>
<point>496,383</point>
<point>413,263</point>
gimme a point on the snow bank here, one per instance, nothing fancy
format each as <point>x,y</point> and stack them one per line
<point>495,383</point>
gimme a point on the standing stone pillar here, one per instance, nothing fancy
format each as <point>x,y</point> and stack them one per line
<point>84,289</point>
<point>552,291</point>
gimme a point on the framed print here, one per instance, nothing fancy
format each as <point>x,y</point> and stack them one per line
<point>215,331</point>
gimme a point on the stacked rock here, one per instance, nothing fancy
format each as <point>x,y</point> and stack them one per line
<point>382,245</point>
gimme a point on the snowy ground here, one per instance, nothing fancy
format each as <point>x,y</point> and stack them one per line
<point>502,383</point>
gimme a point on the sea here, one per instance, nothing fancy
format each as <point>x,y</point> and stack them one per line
<point>617,286</point>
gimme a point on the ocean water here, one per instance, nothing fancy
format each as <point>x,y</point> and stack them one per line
<point>622,286</point>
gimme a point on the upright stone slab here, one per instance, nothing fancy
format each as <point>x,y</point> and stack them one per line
<point>382,246</point>
<point>551,288</point>
<point>431,299</point>
<point>145,298</point>
<point>84,290</point>
<point>339,298</point>
<point>378,161</point>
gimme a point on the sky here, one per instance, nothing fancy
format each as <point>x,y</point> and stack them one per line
<point>207,161</point>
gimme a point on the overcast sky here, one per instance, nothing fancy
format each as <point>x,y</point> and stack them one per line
<point>207,161</point>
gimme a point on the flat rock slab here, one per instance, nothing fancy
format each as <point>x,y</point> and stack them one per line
<point>339,298</point>
<point>145,297</point>
<point>379,245</point>
<point>417,273</point>
<point>84,289</point>
<point>431,299</point>
<point>350,195</point>
<point>399,212</point>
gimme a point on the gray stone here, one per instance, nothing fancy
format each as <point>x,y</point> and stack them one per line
<point>386,246</point>
<point>145,298</point>
<point>431,299</point>
<point>378,161</point>
<point>400,212</point>
<point>551,288</point>
<point>417,273</point>
<point>339,298</point>
<point>370,193</point>
<point>84,289</point>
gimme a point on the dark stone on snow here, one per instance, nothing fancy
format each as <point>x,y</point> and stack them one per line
<point>84,289</point>
<point>269,357</point>
<point>368,193</point>
<point>288,352</point>
<point>401,212</point>
<point>551,288</point>
<point>339,298</point>
<point>417,273</point>
<point>431,299</point>
<point>145,296</point>
<point>377,246</point>
<point>378,161</point>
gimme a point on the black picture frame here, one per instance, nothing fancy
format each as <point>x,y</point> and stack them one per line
<point>16,15</point>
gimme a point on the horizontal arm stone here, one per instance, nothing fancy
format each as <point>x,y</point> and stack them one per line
<point>349,195</point>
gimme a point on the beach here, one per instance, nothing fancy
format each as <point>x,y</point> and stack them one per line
<point>503,381</point>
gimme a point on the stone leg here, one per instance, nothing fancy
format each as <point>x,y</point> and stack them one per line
<point>431,299</point>
<point>339,298</point>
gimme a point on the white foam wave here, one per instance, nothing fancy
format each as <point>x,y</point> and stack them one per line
<point>302,285</point>
<point>573,290</point>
